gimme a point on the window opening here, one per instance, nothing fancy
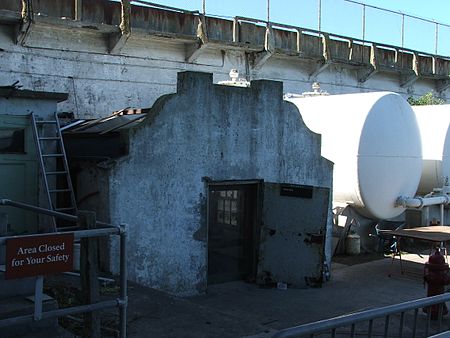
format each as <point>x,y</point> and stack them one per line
<point>12,141</point>
<point>227,211</point>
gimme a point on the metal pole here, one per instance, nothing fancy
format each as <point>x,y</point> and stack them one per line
<point>436,32</point>
<point>268,12</point>
<point>204,7</point>
<point>403,30</point>
<point>39,210</point>
<point>123,282</point>
<point>319,15</point>
<point>38,292</point>
<point>364,23</point>
<point>78,10</point>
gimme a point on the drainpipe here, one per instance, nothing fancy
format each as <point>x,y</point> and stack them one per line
<point>26,10</point>
<point>125,21</point>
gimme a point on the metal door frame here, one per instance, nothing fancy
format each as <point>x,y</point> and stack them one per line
<point>259,189</point>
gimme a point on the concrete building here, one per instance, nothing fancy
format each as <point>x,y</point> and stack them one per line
<point>109,55</point>
<point>19,165</point>
<point>77,47</point>
<point>219,183</point>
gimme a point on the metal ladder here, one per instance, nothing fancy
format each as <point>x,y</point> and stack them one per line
<point>54,166</point>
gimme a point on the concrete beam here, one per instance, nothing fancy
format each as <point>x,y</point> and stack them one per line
<point>442,85</point>
<point>408,80</point>
<point>117,42</point>
<point>321,66</point>
<point>260,58</point>
<point>326,54</point>
<point>193,51</point>
<point>366,73</point>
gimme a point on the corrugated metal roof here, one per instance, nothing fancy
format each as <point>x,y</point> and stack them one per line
<point>120,120</point>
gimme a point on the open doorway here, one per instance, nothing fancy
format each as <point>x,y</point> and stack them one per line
<point>232,232</point>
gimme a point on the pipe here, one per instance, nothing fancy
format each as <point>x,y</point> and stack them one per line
<point>60,312</point>
<point>76,234</point>
<point>420,202</point>
<point>346,320</point>
<point>39,210</point>
<point>123,282</point>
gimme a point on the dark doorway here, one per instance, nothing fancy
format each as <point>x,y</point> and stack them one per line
<point>232,232</point>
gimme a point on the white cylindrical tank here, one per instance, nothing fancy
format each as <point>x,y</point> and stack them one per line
<point>434,122</point>
<point>374,141</point>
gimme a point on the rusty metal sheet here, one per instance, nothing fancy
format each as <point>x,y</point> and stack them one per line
<point>293,235</point>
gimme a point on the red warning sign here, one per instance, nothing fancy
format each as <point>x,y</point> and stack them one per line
<point>38,255</point>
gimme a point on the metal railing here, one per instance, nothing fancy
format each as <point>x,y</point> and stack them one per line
<point>107,230</point>
<point>331,325</point>
<point>363,32</point>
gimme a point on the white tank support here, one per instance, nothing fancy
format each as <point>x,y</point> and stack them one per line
<point>374,141</point>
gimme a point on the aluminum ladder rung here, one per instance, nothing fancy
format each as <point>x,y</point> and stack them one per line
<point>48,138</point>
<point>68,228</point>
<point>65,209</point>
<point>55,172</point>
<point>52,155</point>
<point>45,122</point>
<point>58,190</point>
<point>48,168</point>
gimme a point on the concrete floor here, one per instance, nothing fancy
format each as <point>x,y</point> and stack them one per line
<point>238,309</point>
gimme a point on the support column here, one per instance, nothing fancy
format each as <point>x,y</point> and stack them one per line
<point>89,274</point>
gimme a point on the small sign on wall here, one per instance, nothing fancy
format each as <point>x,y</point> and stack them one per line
<point>38,255</point>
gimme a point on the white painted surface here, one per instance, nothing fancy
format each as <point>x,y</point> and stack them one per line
<point>374,141</point>
<point>434,125</point>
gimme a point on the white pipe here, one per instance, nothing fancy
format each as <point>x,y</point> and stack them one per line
<point>420,202</point>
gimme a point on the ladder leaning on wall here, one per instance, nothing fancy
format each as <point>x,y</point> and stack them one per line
<point>54,167</point>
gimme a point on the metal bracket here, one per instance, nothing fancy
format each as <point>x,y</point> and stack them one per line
<point>442,85</point>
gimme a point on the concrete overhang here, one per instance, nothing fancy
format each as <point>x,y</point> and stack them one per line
<point>14,92</point>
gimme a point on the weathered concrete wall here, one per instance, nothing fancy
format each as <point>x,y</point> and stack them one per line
<point>205,130</point>
<point>74,56</point>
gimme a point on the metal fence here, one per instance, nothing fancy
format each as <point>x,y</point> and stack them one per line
<point>104,230</point>
<point>349,18</point>
<point>329,327</point>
